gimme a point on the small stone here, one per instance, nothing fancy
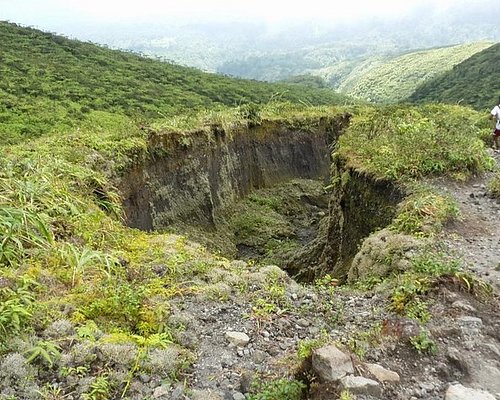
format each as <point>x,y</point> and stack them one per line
<point>459,392</point>
<point>258,356</point>
<point>303,322</point>
<point>206,395</point>
<point>246,381</point>
<point>470,325</point>
<point>314,330</point>
<point>238,396</point>
<point>462,305</point>
<point>361,385</point>
<point>331,364</point>
<point>239,339</point>
<point>161,391</point>
<point>381,374</point>
<point>178,392</point>
<point>492,349</point>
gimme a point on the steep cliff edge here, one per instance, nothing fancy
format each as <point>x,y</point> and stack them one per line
<point>195,182</point>
<point>191,181</point>
<point>359,204</point>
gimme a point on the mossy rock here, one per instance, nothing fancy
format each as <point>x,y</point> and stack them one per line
<point>383,253</point>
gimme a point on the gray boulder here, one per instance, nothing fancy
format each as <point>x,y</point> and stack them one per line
<point>330,364</point>
<point>361,385</point>
<point>460,392</point>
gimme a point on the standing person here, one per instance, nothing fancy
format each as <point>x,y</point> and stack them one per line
<point>495,114</point>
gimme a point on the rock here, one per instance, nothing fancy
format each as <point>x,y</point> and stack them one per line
<point>376,255</point>
<point>484,375</point>
<point>161,392</point>
<point>246,381</point>
<point>462,305</point>
<point>361,385</point>
<point>259,356</point>
<point>331,364</point>
<point>239,339</point>
<point>238,396</point>
<point>381,374</point>
<point>303,322</point>
<point>206,395</point>
<point>492,349</point>
<point>459,392</point>
<point>470,325</point>
<point>178,392</point>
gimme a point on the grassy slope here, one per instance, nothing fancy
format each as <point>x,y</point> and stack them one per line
<point>50,82</point>
<point>395,79</point>
<point>67,260</point>
<point>473,82</point>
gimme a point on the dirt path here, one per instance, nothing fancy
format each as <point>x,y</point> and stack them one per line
<point>476,235</point>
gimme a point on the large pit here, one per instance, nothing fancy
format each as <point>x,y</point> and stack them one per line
<point>262,192</point>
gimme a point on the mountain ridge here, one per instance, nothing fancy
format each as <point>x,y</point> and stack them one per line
<point>52,82</point>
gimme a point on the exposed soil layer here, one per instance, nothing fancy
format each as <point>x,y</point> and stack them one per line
<point>191,182</point>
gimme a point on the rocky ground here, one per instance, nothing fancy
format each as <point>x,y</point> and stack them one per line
<point>235,345</point>
<point>253,323</point>
<point>476,235</point>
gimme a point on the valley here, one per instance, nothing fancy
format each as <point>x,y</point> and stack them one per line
<point>167,233</point>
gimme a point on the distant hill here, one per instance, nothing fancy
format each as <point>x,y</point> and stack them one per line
<point>475,82</point>
<point>379,74</point>
<point>49,82</point>
<point>393,80</point>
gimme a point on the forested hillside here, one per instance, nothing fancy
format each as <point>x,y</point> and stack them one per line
<point>475,82</point>
<point>378,74</point>
<point>396,78</point>
<point>51,82</point>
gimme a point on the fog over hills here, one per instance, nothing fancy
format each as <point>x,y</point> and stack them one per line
<point>356,47</point>
<point>251,41</point>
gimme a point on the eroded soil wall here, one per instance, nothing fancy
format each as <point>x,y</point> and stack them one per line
<point>189,180</point>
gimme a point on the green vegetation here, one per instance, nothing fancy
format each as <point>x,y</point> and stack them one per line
<point>279,389</point>
<point>403,143</point>
<point>494,185</point>
<point>346,395</point>
<point>52,83</point>
<point>470,82</point>
<point>394,79</point>
<point>423,344</point>
<point>424,213</point>
<point>76,283</point>
<point>379,75</point>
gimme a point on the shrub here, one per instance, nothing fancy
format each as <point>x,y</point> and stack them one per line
<point>403,143</point>
<point>279,389</point>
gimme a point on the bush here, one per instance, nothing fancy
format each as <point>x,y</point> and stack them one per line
<point>279,389</point>
<point>404,143</point>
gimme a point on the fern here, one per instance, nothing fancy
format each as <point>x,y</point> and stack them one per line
<point>45,350</point>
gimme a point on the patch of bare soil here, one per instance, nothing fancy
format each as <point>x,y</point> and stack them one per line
<point>475,237</point>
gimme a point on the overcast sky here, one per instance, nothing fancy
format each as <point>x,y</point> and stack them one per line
<point>50,13</point>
